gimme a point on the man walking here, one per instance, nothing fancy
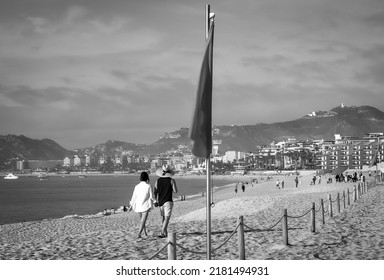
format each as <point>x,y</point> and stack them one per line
<point>165,186</point>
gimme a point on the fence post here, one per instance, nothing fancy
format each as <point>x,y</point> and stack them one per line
<point>172,246</point>
<point>348,198</point>
<point>330,205</point>
<point>313,228</point>
<point>354,194</point>
<point>358,192</point>
<point>322,211</point>
<point>240,234</point>
<point>285,227</point>
<point>338,203</point>
<point>344,199</point>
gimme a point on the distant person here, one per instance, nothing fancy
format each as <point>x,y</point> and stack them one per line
<point>165,186</point>
<point>236,188</point>
<point>282,184</point>
<point>278,184</point>
<point>296,181</point>
<point>142,201</point>
<point>243,187</point>
<point>314,180</point>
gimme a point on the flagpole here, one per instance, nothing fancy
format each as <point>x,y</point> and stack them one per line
<point>208,160</point>
<point>377,155</point>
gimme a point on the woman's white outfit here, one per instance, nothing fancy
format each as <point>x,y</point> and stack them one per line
<point>142,197</point>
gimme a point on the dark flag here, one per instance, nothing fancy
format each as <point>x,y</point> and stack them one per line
<point>201,128</point>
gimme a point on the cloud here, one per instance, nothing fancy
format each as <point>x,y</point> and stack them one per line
<point>375,19</point>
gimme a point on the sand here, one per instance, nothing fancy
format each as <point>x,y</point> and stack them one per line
<point>355,233</point>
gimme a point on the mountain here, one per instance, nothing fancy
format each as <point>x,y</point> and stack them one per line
<point>347,121</point>
<point>14,147</point>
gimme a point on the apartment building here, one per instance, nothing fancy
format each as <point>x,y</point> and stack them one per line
<point>353,154</point>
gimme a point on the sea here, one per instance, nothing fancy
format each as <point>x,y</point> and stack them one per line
<point>32,199</point>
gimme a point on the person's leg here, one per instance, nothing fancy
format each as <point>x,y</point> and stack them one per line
<point>167,211</point>
<point>164,229</point>
<point>143,219</point>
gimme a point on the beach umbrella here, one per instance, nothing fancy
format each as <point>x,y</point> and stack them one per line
<point>339,170</point>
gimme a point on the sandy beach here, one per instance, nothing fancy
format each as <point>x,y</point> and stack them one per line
<point>355,233</point>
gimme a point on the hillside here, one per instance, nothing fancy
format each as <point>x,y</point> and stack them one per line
<point>14,147</point>
<point>347,121</point>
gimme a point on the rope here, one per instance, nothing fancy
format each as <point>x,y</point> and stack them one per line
<point>333,200</point>
<point>187,250</point>
<point>293,217</point>
<point>252,229</point>
<point>158,252</point>
<point>233,232</point>
<point>274,224</point>
<point>196,252</point>
<point>319,208</point>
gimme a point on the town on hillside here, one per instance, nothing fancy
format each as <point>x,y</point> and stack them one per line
<point>290,154</point>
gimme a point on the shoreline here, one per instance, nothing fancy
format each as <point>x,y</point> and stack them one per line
<point>232,180</point>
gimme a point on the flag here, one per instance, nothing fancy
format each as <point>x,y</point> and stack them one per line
<point>201,128</point>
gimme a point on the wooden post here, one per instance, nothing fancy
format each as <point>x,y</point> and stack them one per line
<point>344,199</point>
<point>285,227</point>
<point>348,198</point>
<point>330,206</point>
<point>354,194</point>
<point>322,211</point>
<point>313,227</point>
<point>172,246</point>
<point>338,203</point>
<point>358,192</point>
<point>240,234</point>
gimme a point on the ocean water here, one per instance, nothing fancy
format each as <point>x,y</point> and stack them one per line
<point>31,199</point>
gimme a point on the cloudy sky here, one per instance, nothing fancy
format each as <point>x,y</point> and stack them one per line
<point>81,72</point>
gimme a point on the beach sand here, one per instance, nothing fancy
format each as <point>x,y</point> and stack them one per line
<point>355,233</point>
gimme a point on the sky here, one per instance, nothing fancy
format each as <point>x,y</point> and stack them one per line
<point>81,72</point>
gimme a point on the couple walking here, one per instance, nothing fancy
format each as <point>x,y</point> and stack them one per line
<point>144,197</point>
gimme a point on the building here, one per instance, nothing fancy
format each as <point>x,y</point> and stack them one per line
<point>231,156</point>
<point>352,154</point>
<point>38,164</point>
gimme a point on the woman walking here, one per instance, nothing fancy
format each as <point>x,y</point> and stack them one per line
<point>142,201</point>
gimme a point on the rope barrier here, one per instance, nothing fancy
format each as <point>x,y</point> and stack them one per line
<point>297,217</point>
<point>256,230</point>
<point>187,250</point>
<point>275,224</point>
<point>158,252</point>
<point>252,229</point>
<point>215,249</point>
<point>334,200</point>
